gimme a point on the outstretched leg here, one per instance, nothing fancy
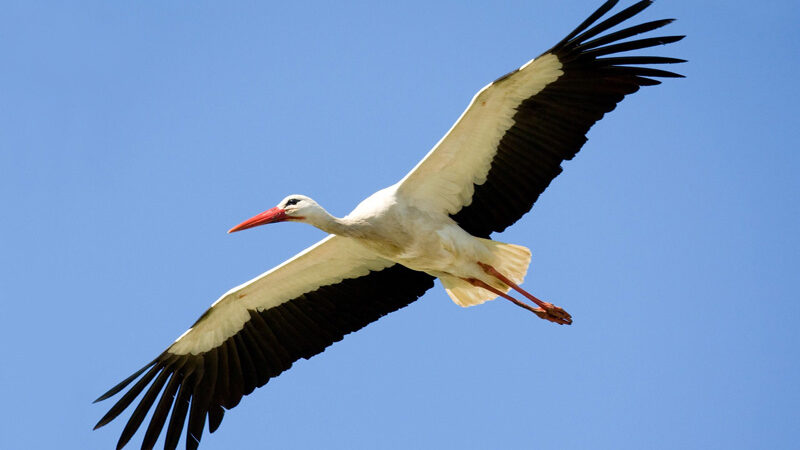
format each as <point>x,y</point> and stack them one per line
<point>541,312</point>
<point>551,312</point>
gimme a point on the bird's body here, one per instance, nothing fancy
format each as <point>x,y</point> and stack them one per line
<point>420,240</point>
<point>481,177</point>
<point>433,243</point>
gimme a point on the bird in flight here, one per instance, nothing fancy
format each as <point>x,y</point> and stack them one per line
<point>481,177</point>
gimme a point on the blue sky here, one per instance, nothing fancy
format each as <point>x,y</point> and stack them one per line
<point>132,136</point>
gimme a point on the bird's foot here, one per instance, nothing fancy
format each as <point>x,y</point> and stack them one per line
<point>553,313</point>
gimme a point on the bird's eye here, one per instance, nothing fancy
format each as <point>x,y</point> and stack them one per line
<point>292,201</point>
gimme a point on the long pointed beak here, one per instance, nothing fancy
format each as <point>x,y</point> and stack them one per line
<point>269,216</point>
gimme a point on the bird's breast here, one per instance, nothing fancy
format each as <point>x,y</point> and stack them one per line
<point>435,250</point>
<point>418,239</point>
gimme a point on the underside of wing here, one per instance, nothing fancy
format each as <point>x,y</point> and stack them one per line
<point>507,147</point>
<point>255,332</point>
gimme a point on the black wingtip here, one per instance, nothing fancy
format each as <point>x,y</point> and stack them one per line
<point>105,396</point>
<point>104,421</point>
<point>600,12</point>
<point>116,389</point>
<point>613,21</point>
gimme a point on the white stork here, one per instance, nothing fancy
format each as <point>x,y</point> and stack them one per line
<point>481,177</point>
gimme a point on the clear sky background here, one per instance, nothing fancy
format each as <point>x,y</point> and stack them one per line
<point>132,136</point>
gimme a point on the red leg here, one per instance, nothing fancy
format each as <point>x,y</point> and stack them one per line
<point>551,309</point>
<point>543,314</point>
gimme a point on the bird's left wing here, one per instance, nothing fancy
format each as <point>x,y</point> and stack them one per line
<point>257,330</point>
<point>508,145</point>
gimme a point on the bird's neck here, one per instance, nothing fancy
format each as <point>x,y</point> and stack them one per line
<point>334,225</point>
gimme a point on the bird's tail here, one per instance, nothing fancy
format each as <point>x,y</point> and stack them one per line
<point>509,259</point>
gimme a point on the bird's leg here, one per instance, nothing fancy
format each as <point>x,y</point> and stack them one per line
<point>476,282</point>
<point>541,312</point>
<point>554,313</point>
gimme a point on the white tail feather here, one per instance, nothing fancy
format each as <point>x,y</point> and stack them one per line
<point>509,259</point>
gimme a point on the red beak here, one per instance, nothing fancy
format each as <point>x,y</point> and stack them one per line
<point>269,216</point>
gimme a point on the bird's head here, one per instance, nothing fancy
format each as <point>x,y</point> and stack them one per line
<point>298,208</point>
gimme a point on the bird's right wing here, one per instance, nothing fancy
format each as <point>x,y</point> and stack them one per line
<point>257,330</point>
<point>509,143</point>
